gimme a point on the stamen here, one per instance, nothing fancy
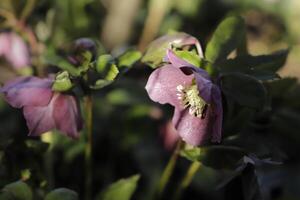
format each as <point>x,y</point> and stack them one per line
<point>190,97</point>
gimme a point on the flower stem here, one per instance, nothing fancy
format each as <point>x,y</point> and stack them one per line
<point>88,147</point>
<point>186,181</point>
<point>169,169</point>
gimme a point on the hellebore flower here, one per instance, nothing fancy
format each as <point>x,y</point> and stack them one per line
<point>14,50</point>
<point>197,101</point>
<point>43,108</point>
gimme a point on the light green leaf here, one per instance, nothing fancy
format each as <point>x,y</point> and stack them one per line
<point>18,190</point>
<point>156,51</point>
<point>62,194</point>
<point>103,61</point>
<point>225,39</point>
<point>129,58</point>
<point>189,56</point>
<point>62,82</point>
<point>120,190</point>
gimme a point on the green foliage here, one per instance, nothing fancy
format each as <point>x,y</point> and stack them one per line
<point>62,82</point>
<point>16,191</point>
<point>156,50</point>
<point>129,58</point>
<point>217,157</point>
<point>120,190</point>
<point>226,38</point>
<point>244,89</point>
<point>189,56</point>
<point>62,194</point>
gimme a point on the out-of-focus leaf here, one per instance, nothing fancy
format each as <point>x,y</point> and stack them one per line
<point>87,58</point>
<point>112,73</point>
<point>156,51</point>
<point>129,58</point>
<point>189,56</point>
<point>62,82</point>
<point>36,145</point>
<point>18,190</point>
<point>225,39</point>
<point>62,194</point>
<point>120,190</point>
<point>103,61</point>
<point>244,89</point>
<point>101,83</point>
<point>217,157</point>
<point>279,88</point>
<point>272,62</point>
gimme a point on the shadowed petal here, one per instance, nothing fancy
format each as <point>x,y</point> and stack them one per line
<point>217,117</point>
<point>39,119</point>
<point>192,130</point>
<point>205,87</point>
<point>162,83</point>
<point>66,115</point>
<point>28,91</point>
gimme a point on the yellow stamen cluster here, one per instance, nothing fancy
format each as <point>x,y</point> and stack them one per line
<point>189,97</point>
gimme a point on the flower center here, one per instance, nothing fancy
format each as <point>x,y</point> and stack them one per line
<point>189,97</point>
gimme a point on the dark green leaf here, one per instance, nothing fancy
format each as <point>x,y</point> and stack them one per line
<point>217,157</point>
<point>244,89</point>
<point>272,62</point>
<point>18,190</point>
<point>225,39</point>
<point>62,194</point>
<point>120,190</point>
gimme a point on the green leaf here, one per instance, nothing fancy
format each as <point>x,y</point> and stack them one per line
<point>62,194</point>
<point>244,89</point>
<point>129,58</point>
<point>103,61</point>
<point>101,83</point>
<point>85,65</point>
<point>62,82</point>
<point>189,56</point>
<point>217,157</point>
<point>225,39</point>
<point>156,51</point>
<point>112,73</point>
<point>18,190</point>
<point>272,62</point>
<point>121,190</point>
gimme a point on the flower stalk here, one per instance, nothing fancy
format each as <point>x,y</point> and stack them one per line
<point>186,181</point>
<point>169,169</point>
<point>88,147</point>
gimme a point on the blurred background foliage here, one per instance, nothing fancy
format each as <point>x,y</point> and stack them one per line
<point>129,129</point>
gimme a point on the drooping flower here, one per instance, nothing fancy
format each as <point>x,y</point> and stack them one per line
<point>43,108</point>
<point>14,50</point>
<point>197,100</point>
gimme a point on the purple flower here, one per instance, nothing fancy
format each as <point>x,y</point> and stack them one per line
<point>14,50</point>
<point>43,108</point>
<point>197,101</point>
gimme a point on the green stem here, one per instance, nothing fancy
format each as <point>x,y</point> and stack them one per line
<point>186,181</point>
<point>169,169</point>
<point>88,148</point>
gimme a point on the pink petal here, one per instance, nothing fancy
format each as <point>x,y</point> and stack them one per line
<point>217,117</point>
<point>162,84</point>
<point>205,87</point>
<point>19,54</point>
<point>169,135</point>
<point>66,115</point>
<point>28,91</point>
<point>193,130</point>
<point>39,119</point>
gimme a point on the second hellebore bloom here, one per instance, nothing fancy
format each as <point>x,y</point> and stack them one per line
<point>43,108</point>
<point>14,50</point>
<point>197,101</point>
